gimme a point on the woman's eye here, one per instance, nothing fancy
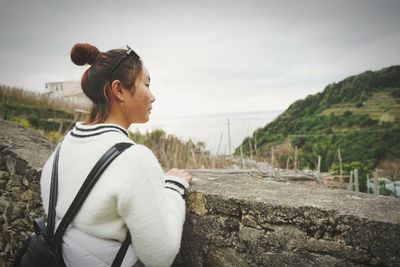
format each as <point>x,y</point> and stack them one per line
<point>148,85</point>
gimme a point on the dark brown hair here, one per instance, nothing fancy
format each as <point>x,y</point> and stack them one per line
<point>96,80</point>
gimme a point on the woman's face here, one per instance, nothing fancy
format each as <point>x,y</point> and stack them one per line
<point>138,103</point>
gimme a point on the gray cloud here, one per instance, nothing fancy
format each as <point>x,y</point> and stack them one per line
<point>228,55</point>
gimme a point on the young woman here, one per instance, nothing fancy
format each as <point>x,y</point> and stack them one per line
<point>133,194</point>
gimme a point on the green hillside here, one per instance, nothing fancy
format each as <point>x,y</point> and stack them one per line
<point>360,115</point>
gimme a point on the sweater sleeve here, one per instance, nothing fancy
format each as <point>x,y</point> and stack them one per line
<point>153,212</point>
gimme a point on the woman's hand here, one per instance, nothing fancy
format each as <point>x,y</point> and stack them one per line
<point>180,173</point>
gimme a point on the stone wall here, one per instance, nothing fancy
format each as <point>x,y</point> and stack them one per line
<point>234,218</point>
<point>22,155</point>
<point>247,219</point>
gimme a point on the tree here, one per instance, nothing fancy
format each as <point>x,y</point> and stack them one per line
<point>327,152</point>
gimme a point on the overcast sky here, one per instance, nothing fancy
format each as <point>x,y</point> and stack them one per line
<point>206,56</point>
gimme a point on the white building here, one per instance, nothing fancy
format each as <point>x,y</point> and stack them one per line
<point>68,91</point>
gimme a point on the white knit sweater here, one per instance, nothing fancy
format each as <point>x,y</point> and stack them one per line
<point>133,193</point>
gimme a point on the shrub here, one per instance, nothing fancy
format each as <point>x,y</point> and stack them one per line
<point>24,122</point>
<point>54,136</point>
<point>347,113</point>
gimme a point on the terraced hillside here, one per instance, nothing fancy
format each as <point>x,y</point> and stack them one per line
<point>381,106</point>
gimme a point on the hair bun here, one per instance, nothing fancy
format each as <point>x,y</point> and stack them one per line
<point>84,53</point>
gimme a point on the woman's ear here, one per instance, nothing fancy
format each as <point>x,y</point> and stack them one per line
<point>117,90</point>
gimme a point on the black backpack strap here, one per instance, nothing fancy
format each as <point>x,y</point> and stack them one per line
<point>83,192</point>
<point>122,251</point>
<point>51,218</point>
<point>87,186</point>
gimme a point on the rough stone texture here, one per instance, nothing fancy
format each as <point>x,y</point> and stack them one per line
<point>246,219</point>
<point>234,218</point>
<point>22,155</point>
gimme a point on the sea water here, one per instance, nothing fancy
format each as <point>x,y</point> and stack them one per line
<point>212,129</point>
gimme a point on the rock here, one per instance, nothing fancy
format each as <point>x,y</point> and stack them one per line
<point>224,257</point>
<point>3,203</point>
<point>10,164</point>
<point>25,181</point>
<point>197,204</point>
<point>3,184</point>
<point>248,220</point>
<point>248,234</point>
<point>3,174</point>
<point>28,195</point>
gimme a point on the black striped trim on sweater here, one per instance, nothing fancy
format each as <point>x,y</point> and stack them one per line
<point>183,196</point>
<point>93,134</point>
<point>175,183</point>
<point>79,131</point>
<point>101,127</point>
